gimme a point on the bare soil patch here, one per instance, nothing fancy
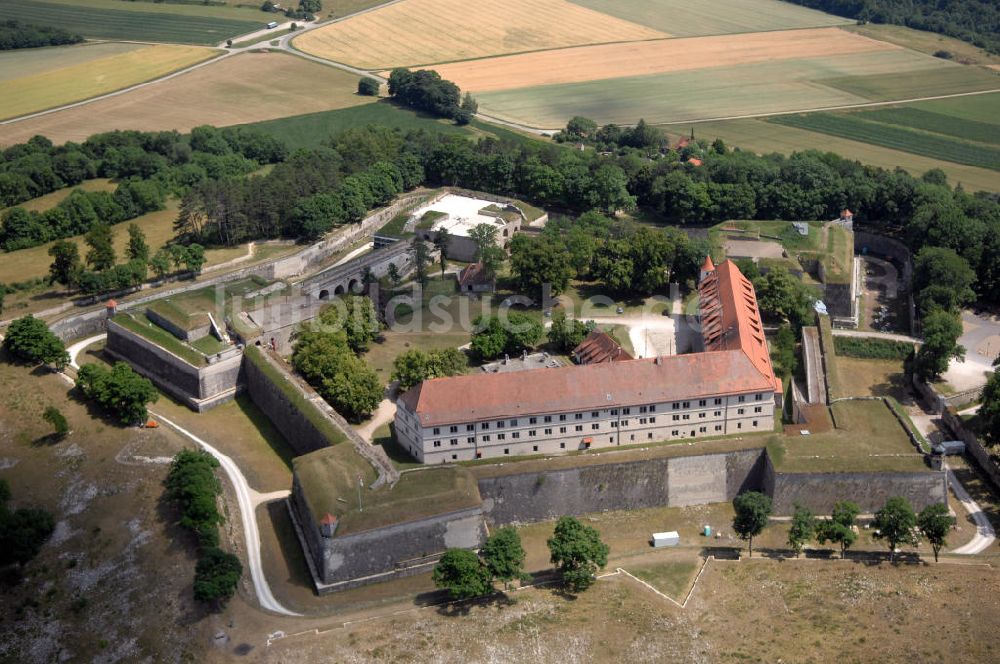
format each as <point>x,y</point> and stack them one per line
<point>245,88</point>
<point>591,63</point>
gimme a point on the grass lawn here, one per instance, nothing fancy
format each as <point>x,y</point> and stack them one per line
<point>49,201</point>
<point>685,19</point>
<point>142,326</point>
<point>867,439</point>
<point>875,378</point>
<point>765,137</point>
<point>140,21</point>
<point>77,81</point>
<point>670,578</point>
<point>925,42</point>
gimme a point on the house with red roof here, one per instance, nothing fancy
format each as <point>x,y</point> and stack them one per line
<point>599,347</point>
<point>728,389</point>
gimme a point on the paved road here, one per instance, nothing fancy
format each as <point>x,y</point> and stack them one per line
<point>815,375</point>
<point>247,498</point>
<point>985,536</point>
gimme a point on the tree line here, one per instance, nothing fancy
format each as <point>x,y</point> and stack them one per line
<point>14,34</point>
<point>425,90</point>
<point>974,21</point>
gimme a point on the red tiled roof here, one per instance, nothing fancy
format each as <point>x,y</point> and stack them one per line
<point>599,347</point>
<point>694,161</point>
<point>846,213</point>
<point>708,265</point>
<point>474,274</point>
<point>111,304</point>
<point>730,318</point>
<point>458,399</point>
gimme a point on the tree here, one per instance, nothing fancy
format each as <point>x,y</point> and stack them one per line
<point>30,340</point>
<point>393,274</point>
<point>415,365</point>
<point>941,332</point>
<point>492,337</point>
<point>194,258</point>
<point>783,351</point>
<point>344,380</point>
<point>503,555</point>
<point>580,128</point>
<point>138,249</point>
<point>358,320</point>
<point>311,6</point>
<point>839,527</point>
<point>802,530</point>
<point>487,251</point>
<point>368,87</point>
<point>119,391</point>
<point>160,262</point>
<point>989,410</point>
<point>942,279</point>
<point>934,522</point>
<point>578,552</point>
<point>463,575</point>
<point>216,575</point>
<point>566,334</point>
<point>22,532</point>
<point>53,416</point>
<point>421,258</point>
<point>101,240</point>
<point>753,509</point>
<point>896,523</point>
<point>441,242</point>
<point>536,262</point>
<point>783,297</point>
<point>65,263</point>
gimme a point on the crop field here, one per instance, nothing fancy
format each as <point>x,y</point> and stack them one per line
<point>611,61</point>
<point>140,21</point>
<point>683,18</point>
<point>936,123</point>
<point>418,32</point>
<point>33,61</point>
<point>72,81</point>
<point>922,143</point>
<point>245,88</point>
<point>926,42</point>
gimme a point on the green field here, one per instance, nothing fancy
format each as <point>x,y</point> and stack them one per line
<point>936,123</point>
<point>33,61</point>
<point>929,145</point>
<point>309,130</point>
<point>739,91</point>
<point>765,137</point>
<point>188,24</point>
<point>682,18</point>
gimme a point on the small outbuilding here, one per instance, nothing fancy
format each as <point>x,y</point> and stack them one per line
<point>599,347</point>
<point>671,538</point>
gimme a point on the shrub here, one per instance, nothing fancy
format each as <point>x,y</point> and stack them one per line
<point>873,349</point>
<point>368,86</point>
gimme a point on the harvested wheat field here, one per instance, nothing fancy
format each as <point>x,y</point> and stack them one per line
<point>72,75</point>
<point>244,88</point>
<point>415,32</point>
<point>593,63</point>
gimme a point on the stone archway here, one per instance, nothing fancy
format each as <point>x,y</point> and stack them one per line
<point>353,286</point>
<point>324,294</point>
<point>339,290</point>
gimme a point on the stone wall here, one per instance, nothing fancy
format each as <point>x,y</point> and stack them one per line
<point>865,241</point>
<point>302,434</point>
<point>819,491</point>
<point>676,481</point>
<point>972,445</point>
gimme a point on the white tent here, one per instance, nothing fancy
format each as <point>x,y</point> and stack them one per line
<point>666,539</point>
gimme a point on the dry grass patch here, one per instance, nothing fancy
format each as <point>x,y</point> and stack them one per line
<point>245,88</point>
<point>425,31</point>
<point>81,80</point>
<point>592,63</point>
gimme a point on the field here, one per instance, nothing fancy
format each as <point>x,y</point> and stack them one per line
<point>765,137</point>
<point>733,92</point>
<point>67,81</point>
<point>240,89</point>
<point>926,42</point>
<point>713,17</point>
<point>592,63</point>
<point>418,32</point>
<point>24,62</point>
<point>48,201</point>
<point>928,145</point>
<point>139,21</point>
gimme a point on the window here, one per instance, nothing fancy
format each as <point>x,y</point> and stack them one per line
<point>649,436</point>
<point>758,409</point>
<point>739,425</point>
<point>516,434</point>
<point>673,433</point>
<point>642,409</point>
<point>534,448</point>
<point>739,411</point>
<point>532,420</point>
<point>758,397</point>
<point>702,402</point>
<point>676,418</point>
<point>718,402</point>
<point>718,427</point>
<point>579,416</point>
<point>548,432</point>
<point>437,430</point>
<point>595,413</point>
<point>652,420</point>
<point>437,443</point>
<point>755,422</point>
<point>702,415</point>
<point>686,404</point>
<point>686,416</point>
<point>742,398</point>
<point>652,409</point>
<point>453,441</point>
<point>626,411</point>
<point>596,426</point>
<point>486,439</point>
<point>614,424</point>
<point>452,429</point>
<point>624,423</point>
<point>470,439</point>
<point>614,411</point>
<point>562,418</point>
<point>454,456</point>
<point>562,446</point>
<point>501,424</point>
<point>717,413</point>
<point>562,429</point>
<point>579,427</point>
<point>501,436</point>
<point>632,437</point>
<point>548,418</point>
<point>484,425</point>
<point>642,420</point>
<point>676,405</point>
<point>533,432</point>
<point>611,439</point>
<point>702,429</point>
<point>470,427</point>
<point>506,450</point>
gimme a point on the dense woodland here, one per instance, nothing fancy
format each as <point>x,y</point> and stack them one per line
<point>14,34</point>
<point>974,21</point>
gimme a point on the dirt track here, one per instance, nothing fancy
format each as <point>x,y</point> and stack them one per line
<point>591,63</point>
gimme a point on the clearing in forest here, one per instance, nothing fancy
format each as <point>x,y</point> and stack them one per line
<point>415,32</point>
<point>244,88</point>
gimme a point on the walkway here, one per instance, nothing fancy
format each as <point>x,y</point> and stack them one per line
<point>985,536</point>
<point>866,334</point>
